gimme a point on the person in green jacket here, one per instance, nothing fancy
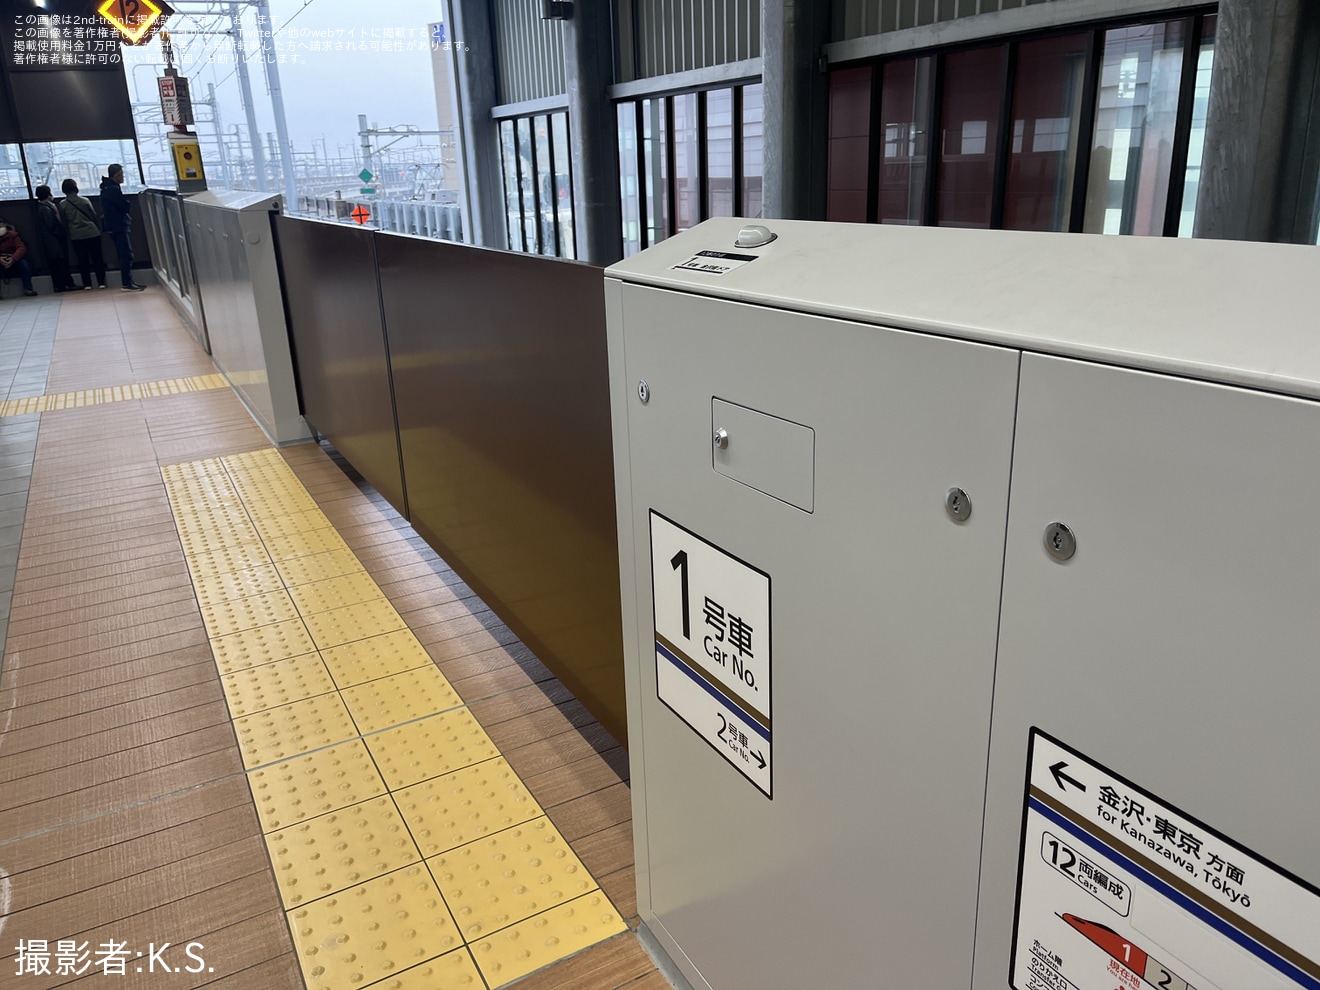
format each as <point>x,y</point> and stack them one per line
<point>85,231</point>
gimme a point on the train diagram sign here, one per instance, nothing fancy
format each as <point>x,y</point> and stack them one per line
<point>712,646</point>
<point>1118,890</point>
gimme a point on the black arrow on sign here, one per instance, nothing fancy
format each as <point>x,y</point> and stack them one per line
<point>1060,777</point>
<point>759,759</point>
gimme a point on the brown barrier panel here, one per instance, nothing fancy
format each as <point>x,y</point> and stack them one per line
<point>502,390</point>
<point>22,213</point>
<point>333,301</point>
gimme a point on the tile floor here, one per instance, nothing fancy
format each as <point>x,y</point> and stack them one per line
<point>126,816</point>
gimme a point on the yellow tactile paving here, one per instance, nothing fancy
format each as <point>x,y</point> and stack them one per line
<point>449,811</point>
<point>223,537</point>
<point>237,614</point>
<point>256,689</point>
<point>429,747</point>
<point>225,559</point>
<point>373,930</point>
<point>336,851</point>
<point>203,492</point>
<point>304,544</point>
<point>212,516</point>
<point>400,698</point>
<point>289,523</point>
<point>313,784</point>
<point>265,510</point>
<point>527,946</point>
<point>379,656</point>
<point>264,644</point>
<point>298,727</point>
<point>347,625</point>
<point>362,759</point>
<point>318,567</point>
<point>335,592</point>
<point>255,579</point>
<point>509,877</point>
<point>114,393</point>
<point>453,971</point>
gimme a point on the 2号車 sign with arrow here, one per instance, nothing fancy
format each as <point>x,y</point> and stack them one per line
<point>712,646</point>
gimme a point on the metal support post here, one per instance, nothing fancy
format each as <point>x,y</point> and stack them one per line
<point>1261,165</point>
<point>793,34</point>
<point>472,55</point>
<point>364,135</point>
<point>268,56</point>
<point>592,134</point>
<point>245,94</point>
<point>219,128</point>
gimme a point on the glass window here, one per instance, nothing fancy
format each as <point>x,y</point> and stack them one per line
<point>527,181</point>
<point>656,146</point>
<point>512,203</point>
<point>753,163</point>
<point>849,144</point>
<point>1047,106</point>
<point>628,187</point>
<point>563,184</point>
<point>969,130</point>
<point>905,95</point>
<point>165,235</point>
<point>719,153</point>
<point>545,186</point>
<point>13,184</point>
<point>1136,117</point>
<point>687,177</point>
<point>85,162</point>
<point>1200,111</point>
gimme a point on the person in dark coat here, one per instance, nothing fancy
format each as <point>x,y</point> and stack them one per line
<point>117,221</point>
<point>84,228</point>
<point>13,257</point>
<point>54,240</point>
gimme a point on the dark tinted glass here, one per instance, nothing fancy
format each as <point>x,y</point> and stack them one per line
<point>1047,103</point>
<point>850,122</point>
<point>905,140</point>
<point>969,132</point>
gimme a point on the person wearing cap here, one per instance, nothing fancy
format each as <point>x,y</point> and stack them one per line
<point>13,257</point>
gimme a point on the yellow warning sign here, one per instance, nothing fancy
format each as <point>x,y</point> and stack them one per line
<point>131,18</point>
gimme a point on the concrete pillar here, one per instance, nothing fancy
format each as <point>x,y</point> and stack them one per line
<point>793,36</point>
<point>592,133</point>
<point>1261,166</point>
<point>473,58</point>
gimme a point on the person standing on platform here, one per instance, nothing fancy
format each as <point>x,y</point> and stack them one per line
<point>117,221</point>
<point>54,240</point>
<point>13,257</point>
<point>85,231</point>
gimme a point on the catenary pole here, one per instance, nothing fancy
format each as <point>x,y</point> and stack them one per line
<point>270,59</point>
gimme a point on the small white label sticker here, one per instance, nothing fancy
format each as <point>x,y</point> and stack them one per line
<point>712,645</point>
<point>715,262</point>
<point>1118,890</point>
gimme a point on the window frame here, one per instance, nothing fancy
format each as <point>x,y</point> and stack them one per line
<point>515,198</point>
<point>667,188</point>
<point>1195,20</point>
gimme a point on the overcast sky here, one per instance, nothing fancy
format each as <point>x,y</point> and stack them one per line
<point>381,66</point>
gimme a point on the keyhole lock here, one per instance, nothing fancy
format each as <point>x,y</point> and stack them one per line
<point>644,391</point>
<point>722,438</point>
<point>1059,541</point>
<point>957,504</point>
